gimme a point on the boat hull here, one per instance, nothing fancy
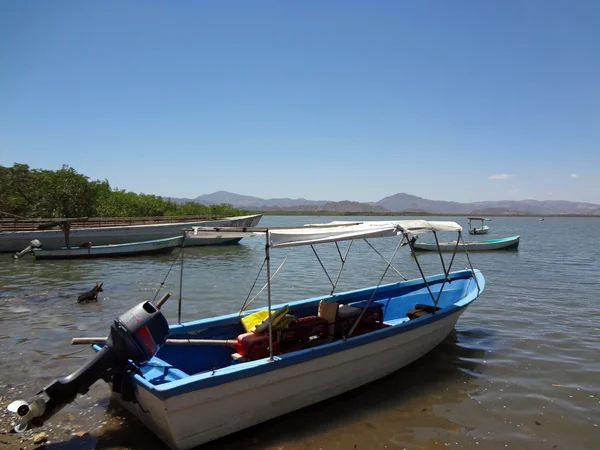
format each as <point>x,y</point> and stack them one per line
<point>160,246</point>
<point>187,420</point>
<point>509,243</point>
<point>483,230</point>
<point>14,241</point>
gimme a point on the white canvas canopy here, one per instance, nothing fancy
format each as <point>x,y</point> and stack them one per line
<point>341,230</point>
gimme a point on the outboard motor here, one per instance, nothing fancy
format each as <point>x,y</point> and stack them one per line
<point>32,244</point>
<point>134,337</point>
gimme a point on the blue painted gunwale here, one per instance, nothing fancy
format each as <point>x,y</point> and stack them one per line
<point>235,372</point>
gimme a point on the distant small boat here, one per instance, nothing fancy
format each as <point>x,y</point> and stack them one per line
<point>483,229</point>
<point>506,243</point>
<point>542,219</point>
<point>157,246</point>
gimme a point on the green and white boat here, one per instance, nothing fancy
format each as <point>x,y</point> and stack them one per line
<point>507,243</point>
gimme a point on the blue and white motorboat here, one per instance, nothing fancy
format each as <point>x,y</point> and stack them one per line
<point>194,382</point>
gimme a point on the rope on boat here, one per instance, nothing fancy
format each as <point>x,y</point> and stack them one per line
<point>162,283</point>
<point>247,303</point>
<point>362,313</point>
<point>383,257</point>
<point>343,259</point>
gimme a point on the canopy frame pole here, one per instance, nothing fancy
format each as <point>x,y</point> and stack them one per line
<point>469,259</point>
<point>181,280</point>
<point>412,249</point>
<point>437,242</point>
<point>324,269</point>
<point>268,259</point>
<point>446,273</point>
<point>362,313</point>
<point>453,254</point>
<point>343,259</point>
<point>383,257</point>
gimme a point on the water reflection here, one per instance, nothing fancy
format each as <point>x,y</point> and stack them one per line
<point>231,253</point>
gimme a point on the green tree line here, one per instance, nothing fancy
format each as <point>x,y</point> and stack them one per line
<point>30,193</point>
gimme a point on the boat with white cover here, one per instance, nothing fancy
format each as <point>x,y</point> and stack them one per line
<point>482,229</point>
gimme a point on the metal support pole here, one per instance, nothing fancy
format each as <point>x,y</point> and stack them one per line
<point>437,242</point>
<point>412,249</point>
<point>270,319</point>
<point>469,259</point>
<point>446,272</point>
<point>181,280</point>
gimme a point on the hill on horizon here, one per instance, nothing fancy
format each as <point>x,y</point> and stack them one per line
<point>400,202</point>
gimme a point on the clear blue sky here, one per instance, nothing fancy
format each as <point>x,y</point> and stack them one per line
<point>337,100</point>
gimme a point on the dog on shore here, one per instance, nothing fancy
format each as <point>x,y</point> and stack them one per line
<point>91,295</point>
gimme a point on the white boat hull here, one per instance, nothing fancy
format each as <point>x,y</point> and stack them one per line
<point>483,230</point>
<point>131,249</point>
<point>187,420</point>
<point>14,241</point>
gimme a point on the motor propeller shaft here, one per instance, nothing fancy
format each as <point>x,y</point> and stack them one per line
<point>33,244</point>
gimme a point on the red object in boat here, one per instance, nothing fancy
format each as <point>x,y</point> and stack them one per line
<point>299,332</point>
<point>255,346</point>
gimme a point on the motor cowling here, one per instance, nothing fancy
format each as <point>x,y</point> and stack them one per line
<point>135,337</point>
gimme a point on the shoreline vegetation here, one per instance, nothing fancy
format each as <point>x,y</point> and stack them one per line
<point>34,193</point>
<point>27,193</point>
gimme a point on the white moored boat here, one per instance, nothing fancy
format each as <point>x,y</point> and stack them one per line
<point>102,232</point>
<point>158,246</point>
<point>218,375</point>
<point>482,229</point>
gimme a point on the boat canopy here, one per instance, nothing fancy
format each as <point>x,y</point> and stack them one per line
<point>284,236</point>
<point>342,230</point>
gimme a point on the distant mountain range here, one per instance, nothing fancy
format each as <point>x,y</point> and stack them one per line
<point>397,203</point>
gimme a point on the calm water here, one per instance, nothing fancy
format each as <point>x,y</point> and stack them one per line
<point>522,369</point>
